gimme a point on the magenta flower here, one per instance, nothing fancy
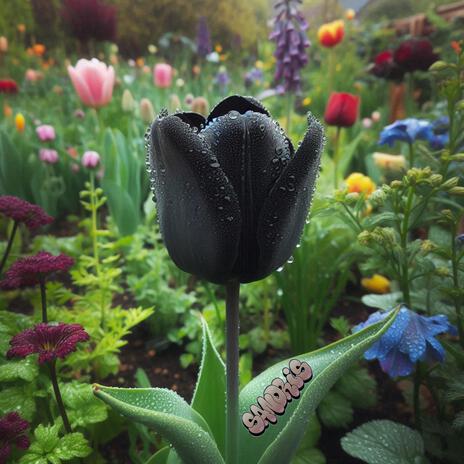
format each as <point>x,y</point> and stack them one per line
<point>90,159</point>
<point>162,75</point>
<point>32,270</point>
<point>21,211</point>
<point>49,341</point>
<point>45,132</point>
<point>48,155</point>
<point>12,428</point>
<point>93,81</point>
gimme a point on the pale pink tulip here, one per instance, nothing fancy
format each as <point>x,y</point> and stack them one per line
<point>93,81</point>
<point>90,159</point>
<point>162,75</point>
<point>47,155</point>
<point>45,132</point>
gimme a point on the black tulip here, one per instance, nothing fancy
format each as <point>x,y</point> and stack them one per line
<point>232,194</point>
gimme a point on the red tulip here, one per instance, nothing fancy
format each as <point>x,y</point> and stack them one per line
<point>8,86</point>
<point>415,54</point>
<point>342,109</point>
<point>331,34</point>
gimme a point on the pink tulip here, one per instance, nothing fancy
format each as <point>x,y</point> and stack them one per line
<point>90,159</point>
<point>93,81</point>
<point>47,155</point>
<point>45,132</point>
<point>162,75</point>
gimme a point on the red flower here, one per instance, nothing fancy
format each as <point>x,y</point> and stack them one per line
<point>8,86</point>
<point>32,270</point>
<point>342,109</point>
<point>32,216</point>
<point>50,341</point>
<point>12,428</point>
<point>386,67</point>
<point>415,54</point>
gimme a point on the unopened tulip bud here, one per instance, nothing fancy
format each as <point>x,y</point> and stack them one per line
<point>147,112</point>
<point>128,102</point>
<point>3,44</point>
<point>20,122</point>
<point>200,105</point>
<point>90,159</point>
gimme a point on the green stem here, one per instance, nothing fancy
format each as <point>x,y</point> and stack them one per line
<point>336,157</point>
<point>404,247</point>
<point>416,397</point>
<point>8,246</point>
<point>43,297</point>
<point>457,300</point>
<point>289,112</point>
<point>59,399</point>
<point>411,155</point>
<point>232,372</point>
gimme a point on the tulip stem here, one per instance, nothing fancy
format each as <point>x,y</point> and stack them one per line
<point>8,246</point>
<point>232,372</point>
<point>336,155</point>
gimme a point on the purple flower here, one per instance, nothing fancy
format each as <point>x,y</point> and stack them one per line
<point>45,132</point>
<point>32,270</point>
<point>32,216</point>
<point>406,130</point>
<point>49,341</point>
<point>254,76</point>
<point>12,428</point>
<point>290,38</point>
<point>410,338</point>
<point>222,77</point>
<point>203,38</point>
<point>48,155</point>
<point>90,159</point>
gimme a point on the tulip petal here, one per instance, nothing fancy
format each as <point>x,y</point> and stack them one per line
<point>200,230</point>
<point>81,87</point>
<point>237,103</point>
<point>285,210</point>
<point>253,152</point>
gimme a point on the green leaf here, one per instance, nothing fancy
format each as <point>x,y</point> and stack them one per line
<point>359,387</point>
<point>49,447</point>
<point>385,302</point>
<point>279,441</point>
<point>24,369</point>
<point>168,414</point>
<point>19,399</point>
<point>309,456</point>
<point>209,398</point>
<point>385,442</point>
<point>160,457</point>
<point>335,410</point>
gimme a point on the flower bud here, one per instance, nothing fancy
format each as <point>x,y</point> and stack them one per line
<point>456,191</point>
<point>128,102</point>
<point>90,159</point>
<point>440,66</point>
<point>396,184</point>
<point>450,183</point>
<point>427,246</point>
<point>20,122</point>
<point>147,112</point>
<point>3,44</point>
<point>457,157</point>
<point>48,155</point>
<point>442,272</point>
<point>200,105</point>
<point>435,180</point>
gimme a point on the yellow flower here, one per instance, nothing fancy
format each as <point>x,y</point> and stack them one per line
<point>377,284</point>
<point>20,122</point>
<point>359,183</point>
<point>350,14</point>
<point>307,101</point>
<point>389,162</point>
<point>259,64</point>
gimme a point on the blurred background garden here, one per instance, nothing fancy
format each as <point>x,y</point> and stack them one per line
<point>80,82</point>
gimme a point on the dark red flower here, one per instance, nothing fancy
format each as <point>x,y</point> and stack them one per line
<point>32,216</point>
<point>385,66</point>
<point>49,341</point>
<point>342,109</point>
<point>32,270</point>
<point>415,55</point>
<point>12,428</point>
<point>8,86</point>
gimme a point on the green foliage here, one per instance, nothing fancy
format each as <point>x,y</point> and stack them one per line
<point>48,447</point>
<point>384,442</point>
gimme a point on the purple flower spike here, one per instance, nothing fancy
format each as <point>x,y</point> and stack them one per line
<point>411,338</point>
<point>12,428</point>
<point>291,41</point>
<point>49,341</point>
<point>204,46</point>
<point>21,211</point>
<point>31,270</point>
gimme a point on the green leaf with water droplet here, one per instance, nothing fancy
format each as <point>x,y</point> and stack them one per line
<point>384,442</point>
<point>170,415</point>
<point>279,442</point>
<point>209,398</point>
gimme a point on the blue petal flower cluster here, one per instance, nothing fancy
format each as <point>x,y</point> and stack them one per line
<point>411,338</point>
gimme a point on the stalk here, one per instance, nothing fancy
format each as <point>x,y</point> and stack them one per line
<point>59,399</point>
<point>336,155</point>
<point>43,297</point>
<point>232,372</point>
<point>8,246</point>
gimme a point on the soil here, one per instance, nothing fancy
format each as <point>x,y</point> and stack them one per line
<point>163,370</point>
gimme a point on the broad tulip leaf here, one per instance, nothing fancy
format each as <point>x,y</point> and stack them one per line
<point>168,414</point>
<point>209,398</point>
<point>279,442</point>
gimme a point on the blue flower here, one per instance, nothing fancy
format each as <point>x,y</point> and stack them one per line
<point>406,130</point>
<point>409,339</point>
